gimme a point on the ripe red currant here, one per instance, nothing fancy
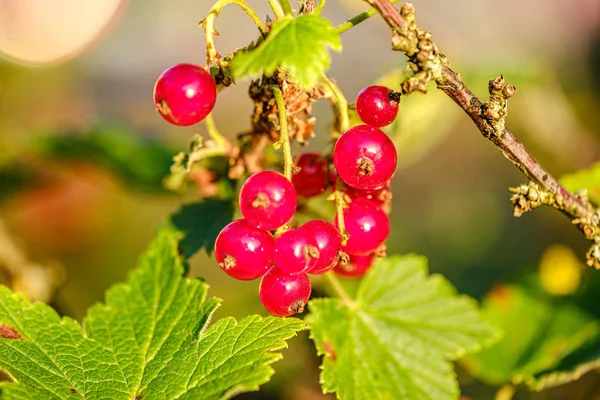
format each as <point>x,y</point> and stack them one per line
<point>368,227</point>
<point>356,267</point>
<point>364,157</point>
<point>329,243</point>
<point>312,179</point>
<point>379,196</point>
<point>185,94</point>
<point>296,251</point>
<point>268,200</point>
<point>243,251</point>
<point>282,294</point>
<point>377,105</point>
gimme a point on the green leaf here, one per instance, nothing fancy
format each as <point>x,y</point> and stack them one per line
<point>150,340</point>
<point>201,223</point>
<point>397,339</point>
<point>588,179</point>
<point>299,46</point>
<point>540,333</point>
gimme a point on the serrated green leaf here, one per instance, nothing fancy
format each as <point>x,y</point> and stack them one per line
<point>398,338</point>
<point>588,179</point>
<point>298,45</point>
<point>540,332</point>
<point>150,340</point>
<point>201,223</point>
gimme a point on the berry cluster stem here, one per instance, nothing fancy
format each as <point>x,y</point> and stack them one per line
<point>287,7</point>
<point>341,103</point>
<point>340,204</point>
<point>276,7</point>
<point>220,140</point>
<point>209,25</point>
<point>339,290</point>
<point>489,117</point>
<point>284,139</point>
<point>352,22</point>
<point>319,7</point>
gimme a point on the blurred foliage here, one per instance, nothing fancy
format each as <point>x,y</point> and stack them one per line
<point>588,179</point>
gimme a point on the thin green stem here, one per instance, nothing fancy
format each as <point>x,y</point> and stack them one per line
<point>340,204</point>
<point>284,139</point>
<point>339,290</point>
<point>319,7</point>
<point>506,392</point>
<point>209,25</point>
<point>344,26</point>
<point>287,7</point>
<point>342,103</point>
<point>276,7</point>
<point>214,133</point>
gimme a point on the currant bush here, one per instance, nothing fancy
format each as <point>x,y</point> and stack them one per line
<point>268,200</point>
<point>243,251</point>
<point>185,94</point>
<point>283,294</point>
<point>364,157</point>
<point>377,105</point>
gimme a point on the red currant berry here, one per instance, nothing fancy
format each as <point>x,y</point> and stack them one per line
<point>379,196</point>
<point>312,179</point>
<point>356,267</point>
<point>268,200</point>
<point>243,251</point>
<point>282,294</point>
<point>296,251</point>
<point>368,227</point>
<point>364,157</point>
<point>185,94</point>
<point>329,243</point>
<point>377,105</point>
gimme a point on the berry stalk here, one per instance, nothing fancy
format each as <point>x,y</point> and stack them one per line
<point>352,22</point>
<point>339,290</point>
<point>340,102</point>
<point>284,140</point>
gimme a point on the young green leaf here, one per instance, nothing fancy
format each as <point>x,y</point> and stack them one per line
<point>398,337</point>
<point>298,45</point>
<point>201,223</point>
<point>150,340</point>
<point>541,332</point>
<point>588,179</point>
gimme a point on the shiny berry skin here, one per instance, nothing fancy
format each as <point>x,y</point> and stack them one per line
<point>282,294</point>
<point>368,227</point>
<point>295,251</point>
<point>329,243</point>
<point>268,200</point>
<point>356,267</point>
<point>379,196</point>
<point>185,94</point>
<point>243,251</point>
<point>377,105</point>
<point>364,157</point>
<point>312,179</point>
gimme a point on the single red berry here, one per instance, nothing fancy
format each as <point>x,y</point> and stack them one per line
<point>379,196</point>
<point>356,267</point>
<point>243,251</point>
<point>295,251</point>
<point>368,227</point>
<point>282,294</point>
<point>377,105</point>
<point>329,243</point>
<point>185,94</point>
<point>364,157</point>
<point>268,200</point>
<point>312,179</point>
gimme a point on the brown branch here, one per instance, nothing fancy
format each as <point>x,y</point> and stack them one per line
<point>429,64</point>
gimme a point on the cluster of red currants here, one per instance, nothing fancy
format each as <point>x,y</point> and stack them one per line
<point>364,159</point>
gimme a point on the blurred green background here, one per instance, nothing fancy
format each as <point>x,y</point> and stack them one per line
<point>65,202</point>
